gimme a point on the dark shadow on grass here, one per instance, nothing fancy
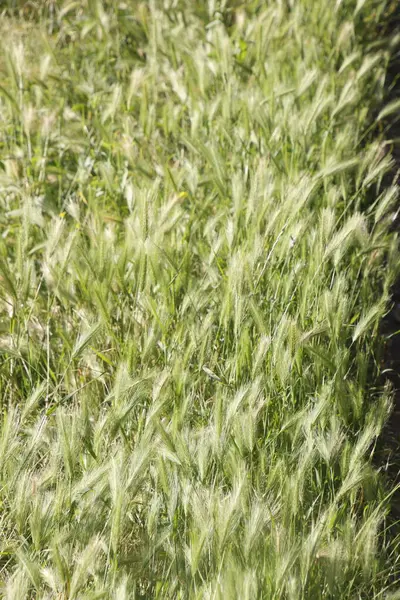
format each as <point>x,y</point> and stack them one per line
<point>387,455</point>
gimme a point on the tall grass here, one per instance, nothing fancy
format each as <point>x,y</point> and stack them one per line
<point>195,255</point>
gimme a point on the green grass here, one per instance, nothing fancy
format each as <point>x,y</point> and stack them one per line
<point>195,255</point>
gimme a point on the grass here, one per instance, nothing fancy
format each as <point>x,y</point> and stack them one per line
<point>195,255</point>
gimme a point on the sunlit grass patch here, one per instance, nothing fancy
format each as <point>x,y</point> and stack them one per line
<point>195,255</point>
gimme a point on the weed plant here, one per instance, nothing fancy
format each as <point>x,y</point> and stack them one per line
<point>195,255</point>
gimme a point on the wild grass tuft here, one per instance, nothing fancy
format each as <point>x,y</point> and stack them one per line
<point>196,251</point>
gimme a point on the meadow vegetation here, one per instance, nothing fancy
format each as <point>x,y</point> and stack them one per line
<point>196,252</point>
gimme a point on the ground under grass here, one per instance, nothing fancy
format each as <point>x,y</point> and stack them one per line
<point>195,255</point>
